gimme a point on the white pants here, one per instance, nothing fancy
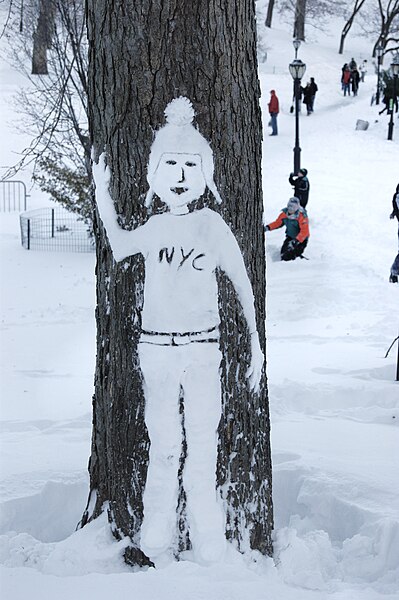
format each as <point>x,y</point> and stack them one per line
<point>195,368</point>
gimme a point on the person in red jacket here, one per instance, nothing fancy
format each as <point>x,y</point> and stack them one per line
<point>274,109</point>
<point>346,80</point>
<point>295,219</point>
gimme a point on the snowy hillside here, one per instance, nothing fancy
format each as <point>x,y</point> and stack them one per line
<point>334,399</point>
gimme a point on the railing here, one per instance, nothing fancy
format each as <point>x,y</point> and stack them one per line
<point>12,195</point>
<point>54,229</point>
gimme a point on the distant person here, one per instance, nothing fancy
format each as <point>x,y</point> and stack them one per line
<point>346,81</point>
<point>307,98</point>
<point>355,79</point>
<point>344,68</point>
<point>301,186</point>
<point>295,220</point>
<point>387,100</point>
<point>314,89</point>
<point>363,70</point>
<point>352,64</point>
<point>393,278</point>
<point>274,109</point>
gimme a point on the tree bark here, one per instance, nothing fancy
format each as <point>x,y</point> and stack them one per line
<point>141,56</point>
<point>299,23</point>
<point>269,15</point>
<point>42,37</point>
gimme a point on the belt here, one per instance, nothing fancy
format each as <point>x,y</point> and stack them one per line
<point>179,339</point>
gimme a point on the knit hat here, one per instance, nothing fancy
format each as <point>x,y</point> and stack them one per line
<point>303,171</point>
<point>178,135</point>
<point>293,204</point>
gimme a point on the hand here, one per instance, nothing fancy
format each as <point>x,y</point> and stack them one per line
<point>392,215</point>
<point>254,371</point>
<point>267,228</point>
<point>101,171</point>
<point>292,244</point>
<point>102,179</point>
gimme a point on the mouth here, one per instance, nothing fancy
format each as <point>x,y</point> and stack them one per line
<point>178,190</point>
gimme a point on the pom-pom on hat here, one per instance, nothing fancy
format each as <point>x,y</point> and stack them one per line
<point>180,136</point>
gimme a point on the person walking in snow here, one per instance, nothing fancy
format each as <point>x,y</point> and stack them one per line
<point>390,99</point>
<point>346,81</point>
<point>274,109</point>
<point>344,68</point>
<point>352,64</point>
<point>363,70</point>
<point>301,186</point>
<point>313,90</point>
<point>179,344</point>
<point>355,79</point>
<point>307,98</point>
<point>394,275</point>
<point>295,220</point>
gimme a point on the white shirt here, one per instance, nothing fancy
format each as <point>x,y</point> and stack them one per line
<point>182,253</point>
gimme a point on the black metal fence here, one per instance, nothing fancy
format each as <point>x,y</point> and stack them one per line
<point>12,196</point>
<point>55,229</point>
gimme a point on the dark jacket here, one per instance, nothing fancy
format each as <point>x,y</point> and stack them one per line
<point>307,94</point>
<point>395,204</point>
<point>301,188</point>
<point>355,79</point>
<point>313,87</point>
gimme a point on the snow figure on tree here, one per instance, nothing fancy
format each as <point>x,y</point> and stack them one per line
<point>178,348</point>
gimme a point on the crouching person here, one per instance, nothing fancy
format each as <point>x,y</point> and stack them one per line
<point>295,219</point>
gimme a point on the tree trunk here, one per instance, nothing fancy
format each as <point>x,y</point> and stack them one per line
<point>269,15</point>
<point>142,55</point>
<point>42,37</point>
<point>299,23</point>
<point>358,5</point>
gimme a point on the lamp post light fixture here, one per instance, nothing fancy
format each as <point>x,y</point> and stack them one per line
<point>379,51</point>
<point>393,100</point>
<point>297,69</point>
<point>296,43</point>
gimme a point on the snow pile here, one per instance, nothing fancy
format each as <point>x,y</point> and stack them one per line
<point>330,535</point>
<point>334,401</point>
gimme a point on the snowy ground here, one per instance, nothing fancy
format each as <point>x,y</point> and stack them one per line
<point>334,401</point>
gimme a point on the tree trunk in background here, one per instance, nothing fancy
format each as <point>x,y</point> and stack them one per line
<point>357,6</point>
<point>141,56</point>
<point>269,15</point>
<point>299,23</point>
<point>42,37</point>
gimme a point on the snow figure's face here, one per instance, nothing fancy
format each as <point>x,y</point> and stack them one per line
<point>179,180</point>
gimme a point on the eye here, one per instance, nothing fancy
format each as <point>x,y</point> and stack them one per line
<point>170,162</point>
<point>191,164</point>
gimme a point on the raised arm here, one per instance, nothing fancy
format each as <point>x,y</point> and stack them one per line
<point>232,263</point>
<point>123,243</point>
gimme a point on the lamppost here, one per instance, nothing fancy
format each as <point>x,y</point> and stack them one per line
<point>393,100</point>
<point>297,69</point>
<point>379,51</point>
<point>296,43</point>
